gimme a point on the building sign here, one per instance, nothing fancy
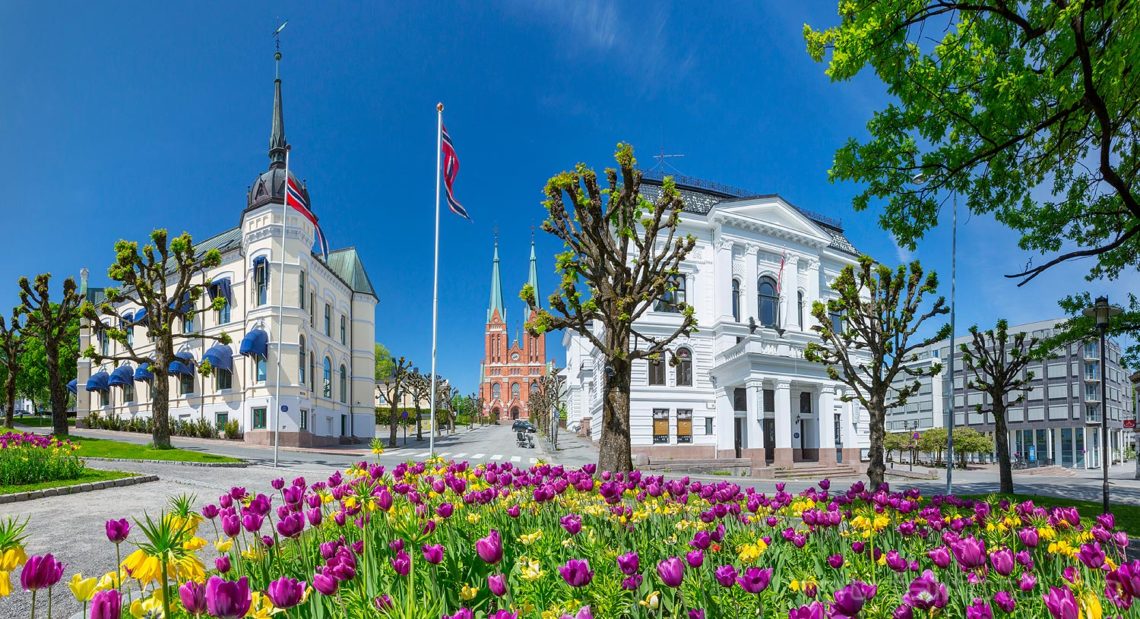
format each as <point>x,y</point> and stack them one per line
<point>1130,423</point>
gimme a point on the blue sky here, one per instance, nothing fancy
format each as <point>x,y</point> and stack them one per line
<point>127,116</point>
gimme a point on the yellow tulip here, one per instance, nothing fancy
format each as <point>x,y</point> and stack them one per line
<point>260,607</point>
<point>83,589</point>
<point>1090,603</point>
<point>12,558</point>
<point>468,592</point>
<point>223,546</point>
<point>652,601</point>
<point>5,585</point>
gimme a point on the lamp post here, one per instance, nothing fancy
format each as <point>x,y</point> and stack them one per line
<point>1102,312</point>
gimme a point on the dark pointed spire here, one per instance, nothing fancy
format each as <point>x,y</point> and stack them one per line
<point>496,289</point>
<point>532,279</point>
<point>277,134</point>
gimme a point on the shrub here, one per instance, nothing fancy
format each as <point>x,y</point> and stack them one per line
<point>232,430</point>
<point>32,458</point>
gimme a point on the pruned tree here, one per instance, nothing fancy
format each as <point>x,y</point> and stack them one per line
<point>881,313</point>
<point>419,387</point>
<point>998,367</point>
<point>622,254</point>
<point>11,352</point>
<point>167,278</point>
<point>49,322</point>
<point>546,401</point>
<point>444,413</point>
<point>393,390</point>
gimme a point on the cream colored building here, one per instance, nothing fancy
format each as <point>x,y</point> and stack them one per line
<point>326,331</point>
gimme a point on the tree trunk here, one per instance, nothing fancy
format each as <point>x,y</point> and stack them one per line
<point>419,426</point>
<point>57,390</point>
<point>876,469</point>
<point>10,414</point>
<point>614,449</point>
<point>160,400</point>
<point>395,419</point>
<point>1001,443</point>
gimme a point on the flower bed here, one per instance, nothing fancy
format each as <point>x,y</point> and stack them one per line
<point>431,540</point>
<point>32,458</point>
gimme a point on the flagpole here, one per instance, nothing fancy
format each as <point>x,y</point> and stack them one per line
<point>435,276</point>
<point>280,316</point>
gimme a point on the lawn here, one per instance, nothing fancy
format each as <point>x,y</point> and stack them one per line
<point>1127,516</point>
<point>88,476</point>
<point>40,421</point>
<point>103,448</point>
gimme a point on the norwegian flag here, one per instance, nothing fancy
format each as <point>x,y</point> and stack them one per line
<point>295,199</point>
<point>450,171</point>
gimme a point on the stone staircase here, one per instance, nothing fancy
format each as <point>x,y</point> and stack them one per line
<point>736,467</point>
<point>810,471</point>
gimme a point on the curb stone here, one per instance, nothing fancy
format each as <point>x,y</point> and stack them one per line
<point>16,497</point>
<point>236,465</point>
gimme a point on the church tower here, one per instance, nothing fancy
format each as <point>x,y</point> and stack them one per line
<point>510,370</point>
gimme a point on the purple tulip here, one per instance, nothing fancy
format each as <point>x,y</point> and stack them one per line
<point>252,521</point>
<point>1028,536</point>
<point>462,613</point>
<point>835,561</point>
<point>850,599</point>
<point>1091,555</point>
<point>384,603</point>
<point>583,613</point>
<point>572,523</point>
<point>811,611</point>
<point>1027,581</point>
<point>211,511</point>
<point>1002,560</point>
<point>701,540</point>
<point>697,613</point>
<point>695,558</point>
<point>926,592</point>
<point>970,552</point>
<point>503,614</point>
<point>979,609</point>
<point>228,599</point>
<point>193,596</point>
<point>725,575</point>
<point>902,611</point>
<point>231,525</point>
<point>222,564</point>
<point>490,548</point>
<point>629,563</point>
<point>577,572</point>
<point>118,530</point>
<point>106,605</point>
<point>291,525</point>
<point>325,584</point>
<point>1061,603</point>
<point>497,583</point>
<point>403,563</point>
<point>940,556</point>
<point>671,571</point>
<point>1005,601</point>
<point>755,580</point>
<point>40,572</point>
<point>433,553</point>
<point>286,592</point>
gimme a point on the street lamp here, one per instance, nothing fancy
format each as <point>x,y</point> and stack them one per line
<point>1102,311</point>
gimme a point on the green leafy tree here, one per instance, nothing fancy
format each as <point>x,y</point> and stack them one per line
<point>393,385</point>
<point>882,312</point>
<point>34,381</point>
<point>12,345</point>
<point>1027,108</point>
<point>968,441</point>
<point>167,278</point>
<point>997,364</point>
<point>419,387</point>
<point>1079,328</point>
<point>933,441</point>
<point>384,363</point>
<point>51,323</point>
<point>896,441</point>
<point>622,255</point>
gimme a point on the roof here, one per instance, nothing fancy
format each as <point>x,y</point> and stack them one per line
<point>346,264</point>
<point>223,241</point>
<point>701,196</point>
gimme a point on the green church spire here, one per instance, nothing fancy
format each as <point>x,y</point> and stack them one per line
<point>496,290</point>
<point>533,278</point>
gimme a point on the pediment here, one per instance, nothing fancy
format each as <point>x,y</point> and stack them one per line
<point>771,215</point>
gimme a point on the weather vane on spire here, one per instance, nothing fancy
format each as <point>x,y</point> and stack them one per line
<point>277,43</point>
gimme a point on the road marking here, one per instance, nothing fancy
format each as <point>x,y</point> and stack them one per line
<point>497,457</point>
<point>534,460</point>
<point>516,459</point>
<point>460,455</point>
<point>445,453</point>
<point>477,457</point>
<point>423,455</point>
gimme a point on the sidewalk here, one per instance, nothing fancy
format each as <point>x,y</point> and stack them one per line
<point>573,450</point>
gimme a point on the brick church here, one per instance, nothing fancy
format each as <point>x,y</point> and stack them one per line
<point>510,369</point>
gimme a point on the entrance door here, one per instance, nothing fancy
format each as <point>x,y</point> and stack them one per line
<point>769,440</point>
<point>838,439</point>
<point>738,435</point>
<point>514,413</point>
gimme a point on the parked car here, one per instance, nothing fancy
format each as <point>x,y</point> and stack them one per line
<point>521,425</point>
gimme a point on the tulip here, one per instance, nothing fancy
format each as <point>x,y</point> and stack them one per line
<point>497,583</point>
<point>193,597</point>
<point>106,605</point>
<point>695,558</point>
<point>222,564</point>
<point>1002,560</point>
<point>671,571</point>
<point>629,563</point>
<point>118,530</point>
<point>1027,581</point>
<point>1028,536</point>
<point>1091,555</point>
<point>576,572</point>
<point>940,556</point>
<point>490,548</point>
<point>850,599</point>
<point>811,611</point>
<point>462,613</point>
<point>755,580</point>
<point>504,614</point>
<point>82,588</point>
<point>227,599</point>
<point>970,552</point>
<point>697,613</point>
<point>291,525</point>
<point>725,575</point>
<point>40,572</point>
<point>1005,601</point>
<point>835,561</point>
<point>433,553</point>
<point>572,523</point>
<point>402,564</point>
<point>286,592</point>
<point>325,584</point>
<point>384,603</point>
<point>979,609</point>
<point>1061,604</point>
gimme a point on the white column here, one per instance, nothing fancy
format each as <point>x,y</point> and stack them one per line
<point>847,413</point>
<point>748,290</point>
<point>826,424</point>
<point>789,285</point>
<point>722,281</point>
<point>755,421</point>
<point>813,291</point>
<point>783,455</point>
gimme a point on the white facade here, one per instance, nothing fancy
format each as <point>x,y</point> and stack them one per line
<point>749,394</point>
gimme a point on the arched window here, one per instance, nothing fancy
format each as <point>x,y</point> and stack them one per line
<point>343,330</point>
<point>800,301</point>
<point>328,378</point>
<point>496,391</point>
<point>312,369</point>
<point>736,300</point>
<point>656,371</point>
<point>674,296</point>
<point>684,367</point>
<point>343,384</point>
<point>533,387</point>
<point>514,391</point>
<point>301,361</point>
<point>767,301</point>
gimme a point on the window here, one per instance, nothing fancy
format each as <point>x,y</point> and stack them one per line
<point>656,371</point>
<point>343,384</point>
<point>328,378</point>
<point>312,309</point>
<point>836,321</point>
<point>660,425</point>
<point>130,334</point>
<point>674,296</point>
<point>514,391</point>
<point>104,398</point>
<point>128,393</point>
<point>260,369</point>
<point>328,320</point>
<point>533,388</point>
<point>220,421</point>
<point>304,419</point>
<point>261,279</point>
<point>740,399</point>
<point>496,391</point>
<point>223,315</point>
<point>186,383</point>
<point>104,342</point>
<point>301,360</point>
<point>312,370</point>
<point>800,302</point>
<point>708,426</point>
<point>684,425</point>
<point>188,323</point>
<point>301,296</point>
<point>223,379</point>
<point>805,403</point>
<point>769,400</point>
<point>259,418</point>
<point>343,330</point>
<point>684,367</point>
<point>767,301</point>
<point>736,300</point>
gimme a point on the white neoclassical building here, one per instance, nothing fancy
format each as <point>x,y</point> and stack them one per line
<point>739,387</point>
<point>326,330</point>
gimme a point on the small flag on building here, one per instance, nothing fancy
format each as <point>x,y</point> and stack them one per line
<point>295,199</point>
<point>450,170</point>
